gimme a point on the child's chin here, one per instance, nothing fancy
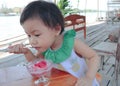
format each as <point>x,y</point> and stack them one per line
<point>39,51</point>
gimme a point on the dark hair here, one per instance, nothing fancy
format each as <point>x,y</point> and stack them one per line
<point>48,12</point>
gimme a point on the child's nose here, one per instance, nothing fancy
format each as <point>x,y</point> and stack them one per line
<point>33,41</point>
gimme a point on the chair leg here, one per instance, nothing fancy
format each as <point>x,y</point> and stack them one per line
<point>84,33</point>
<point>117,68</point>
<point>102,62</point>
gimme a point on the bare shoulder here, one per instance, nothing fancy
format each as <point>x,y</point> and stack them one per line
<point>80,44</point>
<point>83,49</point>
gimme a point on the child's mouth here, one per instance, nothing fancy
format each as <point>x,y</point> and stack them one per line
<point>37,48</point>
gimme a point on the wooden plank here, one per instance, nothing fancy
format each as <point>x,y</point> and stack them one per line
<point>89,30</point>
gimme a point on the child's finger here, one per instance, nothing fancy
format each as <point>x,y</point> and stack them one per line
<point>14,48</point>
<point>22,48</point>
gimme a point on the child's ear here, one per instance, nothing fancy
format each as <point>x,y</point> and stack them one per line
<point>58,29</point>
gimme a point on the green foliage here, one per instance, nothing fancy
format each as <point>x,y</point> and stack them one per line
<point>64,6</point>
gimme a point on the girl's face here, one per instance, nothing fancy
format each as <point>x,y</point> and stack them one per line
<point>41,37</point>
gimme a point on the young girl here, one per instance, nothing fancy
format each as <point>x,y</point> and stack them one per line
<point>44,24</point>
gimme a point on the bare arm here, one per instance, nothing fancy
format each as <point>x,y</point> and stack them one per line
<point>21,49</point>
<point>90,55</point>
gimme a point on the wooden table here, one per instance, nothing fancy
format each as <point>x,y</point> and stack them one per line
<point>19,76</point>
<point>105,48</point>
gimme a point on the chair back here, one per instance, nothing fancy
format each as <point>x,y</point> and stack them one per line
<point>78,22</point>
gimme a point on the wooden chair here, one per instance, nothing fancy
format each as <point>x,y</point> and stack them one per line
<point>110,48</point>
<point>77,21</point>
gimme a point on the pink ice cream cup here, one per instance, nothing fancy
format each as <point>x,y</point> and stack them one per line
<point>40,67</point>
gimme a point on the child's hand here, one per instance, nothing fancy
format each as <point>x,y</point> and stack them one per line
<point>18,49</point>
<point>84,82</point>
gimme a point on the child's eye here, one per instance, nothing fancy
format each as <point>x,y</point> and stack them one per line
<point>28,35</point>
<point>37,35</point>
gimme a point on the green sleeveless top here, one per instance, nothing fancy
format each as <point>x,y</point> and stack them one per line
<point>61,54</point>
